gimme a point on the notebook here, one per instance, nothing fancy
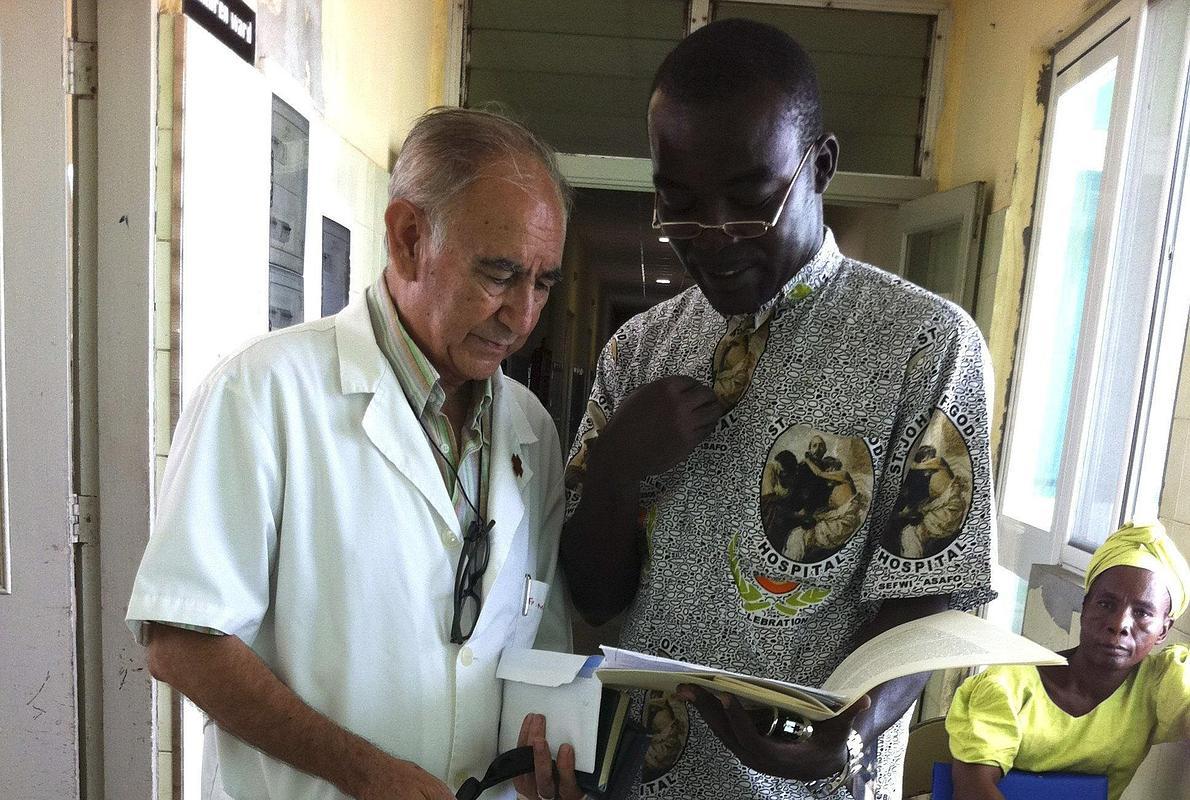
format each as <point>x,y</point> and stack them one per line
<point>1018,785</point>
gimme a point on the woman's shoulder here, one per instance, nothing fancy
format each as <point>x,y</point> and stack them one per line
<point>1005,687</point>
<point>985,721</point>
<point>1171,665</point>
<point>1166,676</point>
<point>1010,677</point>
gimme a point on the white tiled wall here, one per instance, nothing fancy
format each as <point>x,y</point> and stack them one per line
<point>1165,772</point>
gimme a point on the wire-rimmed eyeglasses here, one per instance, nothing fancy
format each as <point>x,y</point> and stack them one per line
<point>473,561</point>
<point>738,229</point>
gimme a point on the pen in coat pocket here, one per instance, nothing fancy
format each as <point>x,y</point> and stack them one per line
<point>525,599</point>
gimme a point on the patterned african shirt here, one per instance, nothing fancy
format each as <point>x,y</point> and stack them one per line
<point>851,467</point>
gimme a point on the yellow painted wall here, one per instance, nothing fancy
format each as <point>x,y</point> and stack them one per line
<point>383,64</point>
<point>990,130</point>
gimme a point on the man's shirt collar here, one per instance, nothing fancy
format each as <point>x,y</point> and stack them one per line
<point>419,379</point>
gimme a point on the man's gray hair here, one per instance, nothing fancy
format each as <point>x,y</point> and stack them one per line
<point>448,149</point>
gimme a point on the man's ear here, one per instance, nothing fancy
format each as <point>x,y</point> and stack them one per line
<point>407,232</point>
<point>826,160</point>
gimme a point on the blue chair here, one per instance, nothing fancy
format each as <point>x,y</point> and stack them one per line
<point>1017,785</point>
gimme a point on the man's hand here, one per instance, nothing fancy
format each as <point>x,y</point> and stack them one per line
<point>544,783</point>
<point>824,753</point>
<point>656,427</point>
<point>393,779</point>
<point>820,756</point>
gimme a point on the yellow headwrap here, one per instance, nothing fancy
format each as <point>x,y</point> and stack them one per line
<point>1147,547</point>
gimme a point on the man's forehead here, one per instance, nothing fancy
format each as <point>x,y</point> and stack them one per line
<point>764,105</point>
<point>515,175</point>
<point>747,140</point>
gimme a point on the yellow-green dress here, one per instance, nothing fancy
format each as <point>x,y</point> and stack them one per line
<point>1004,717</point>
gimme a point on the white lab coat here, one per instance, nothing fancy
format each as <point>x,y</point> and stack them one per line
<point>302,511</point>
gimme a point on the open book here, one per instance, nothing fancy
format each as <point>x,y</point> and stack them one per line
<point>941,641</point>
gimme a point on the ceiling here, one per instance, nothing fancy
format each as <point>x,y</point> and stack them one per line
<point>614,228</point>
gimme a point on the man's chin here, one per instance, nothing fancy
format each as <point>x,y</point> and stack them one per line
<point>743,298</point>
<point>482,368</point>
<point>483,372</point>
<point>731,304</point>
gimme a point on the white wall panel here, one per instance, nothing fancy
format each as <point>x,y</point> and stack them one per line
<point>225,205</point>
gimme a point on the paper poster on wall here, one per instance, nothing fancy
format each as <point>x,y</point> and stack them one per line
<point>290,167</point>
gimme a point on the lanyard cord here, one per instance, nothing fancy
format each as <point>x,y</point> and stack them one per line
<point>445,460</point>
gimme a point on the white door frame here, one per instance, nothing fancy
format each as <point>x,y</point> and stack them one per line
<point>127,36</point>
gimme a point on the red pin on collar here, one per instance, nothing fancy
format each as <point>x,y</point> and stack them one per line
<point>517,468</point>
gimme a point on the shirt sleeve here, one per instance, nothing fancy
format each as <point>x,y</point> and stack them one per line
<point>934,514</point>
<point>983,722</point>
<point>208,563</point>
<point>605,395</point>
<point>1171,695</point>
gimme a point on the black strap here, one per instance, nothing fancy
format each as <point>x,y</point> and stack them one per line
<point>505,766</point>
<point>629,758</point>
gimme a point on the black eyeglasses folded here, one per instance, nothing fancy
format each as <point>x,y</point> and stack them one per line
<point>473,561</point>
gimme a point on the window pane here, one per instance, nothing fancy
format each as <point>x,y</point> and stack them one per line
<point>577,73</point>
<point>1067,230</point>
<point>872,71</point>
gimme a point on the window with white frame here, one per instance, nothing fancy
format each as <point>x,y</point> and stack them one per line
<point>578,74</point>
<point>1091,408</point>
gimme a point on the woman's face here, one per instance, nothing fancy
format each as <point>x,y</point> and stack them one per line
<point>1125,615</point>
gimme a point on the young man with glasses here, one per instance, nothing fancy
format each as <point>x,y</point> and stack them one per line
<point>360,513</point>
<point>786,359</point>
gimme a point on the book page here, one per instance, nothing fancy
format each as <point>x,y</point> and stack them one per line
<point>941,641</point>
<point>806,706</point>
<point>615,659</point>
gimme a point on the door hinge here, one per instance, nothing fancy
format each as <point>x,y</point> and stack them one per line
<point>84,519</point>
<point>81,67</point>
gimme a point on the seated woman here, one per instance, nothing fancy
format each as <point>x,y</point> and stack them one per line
<point>1100,713</point>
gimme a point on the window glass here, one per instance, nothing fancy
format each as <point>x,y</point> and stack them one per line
<point>873,69</point>
<point>577,73</point>
<point>1067,231</point>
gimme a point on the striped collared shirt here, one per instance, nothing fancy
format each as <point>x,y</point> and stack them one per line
<point>422,385</point>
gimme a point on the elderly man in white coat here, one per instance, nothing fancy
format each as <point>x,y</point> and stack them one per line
<point>360,513</point>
